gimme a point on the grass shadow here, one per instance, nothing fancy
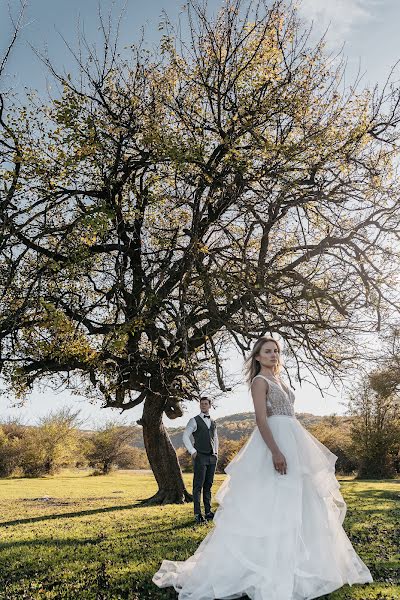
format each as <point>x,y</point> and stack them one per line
<point>68,515</point>
<point>51,542</point>
<point>384,494</point>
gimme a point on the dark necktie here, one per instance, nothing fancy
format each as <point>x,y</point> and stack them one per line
<point>207,416</point>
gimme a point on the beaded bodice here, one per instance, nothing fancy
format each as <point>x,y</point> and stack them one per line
<point>279,402</point>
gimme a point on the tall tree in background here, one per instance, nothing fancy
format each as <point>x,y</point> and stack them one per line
<point>376,406</point>
<point>376,428</point>
<point>385,380</point>
<point>168,206</point>
<point>108,445</point>
<point>53,444</point>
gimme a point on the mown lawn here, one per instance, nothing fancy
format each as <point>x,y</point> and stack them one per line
<point>75,536</point>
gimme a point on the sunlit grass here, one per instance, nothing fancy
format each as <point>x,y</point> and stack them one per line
<point>74,536</point>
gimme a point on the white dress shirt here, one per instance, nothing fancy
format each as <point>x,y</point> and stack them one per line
<point>191,428</point>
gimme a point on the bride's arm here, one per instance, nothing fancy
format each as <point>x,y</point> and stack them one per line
<point>259,389</point>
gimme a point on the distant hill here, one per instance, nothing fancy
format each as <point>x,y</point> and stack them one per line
<point>236,426</point>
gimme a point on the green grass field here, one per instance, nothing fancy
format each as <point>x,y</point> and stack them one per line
<point>74,536</point>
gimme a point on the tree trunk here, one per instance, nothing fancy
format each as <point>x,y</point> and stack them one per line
<point>162,456</point>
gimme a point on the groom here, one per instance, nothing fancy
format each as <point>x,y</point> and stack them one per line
<point>204,452</point>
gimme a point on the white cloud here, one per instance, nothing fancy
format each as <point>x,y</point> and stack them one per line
<point>338,16</point>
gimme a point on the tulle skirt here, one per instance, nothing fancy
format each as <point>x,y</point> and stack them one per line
<point>276,537</point>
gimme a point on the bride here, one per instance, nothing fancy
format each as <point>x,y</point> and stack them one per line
<point>278,531</point>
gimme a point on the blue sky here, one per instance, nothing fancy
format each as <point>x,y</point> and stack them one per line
<point>367,28</point>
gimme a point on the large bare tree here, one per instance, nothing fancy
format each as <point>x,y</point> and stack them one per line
<point>171,204</point>
<point>10,171</point>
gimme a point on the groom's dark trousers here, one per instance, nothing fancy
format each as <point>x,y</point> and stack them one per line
<point>203,477</point>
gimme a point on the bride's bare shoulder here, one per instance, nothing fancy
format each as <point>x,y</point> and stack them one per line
<point>259,382</point>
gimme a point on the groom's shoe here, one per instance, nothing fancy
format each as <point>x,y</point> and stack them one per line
<point>199,519</point>
<point>209,516</point>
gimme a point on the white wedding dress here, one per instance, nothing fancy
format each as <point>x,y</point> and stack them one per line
<point>276,537</point>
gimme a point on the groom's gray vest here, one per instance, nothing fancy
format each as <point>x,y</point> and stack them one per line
<point>204,438</point>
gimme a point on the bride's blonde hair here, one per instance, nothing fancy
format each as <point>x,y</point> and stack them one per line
<point>251,364</point>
